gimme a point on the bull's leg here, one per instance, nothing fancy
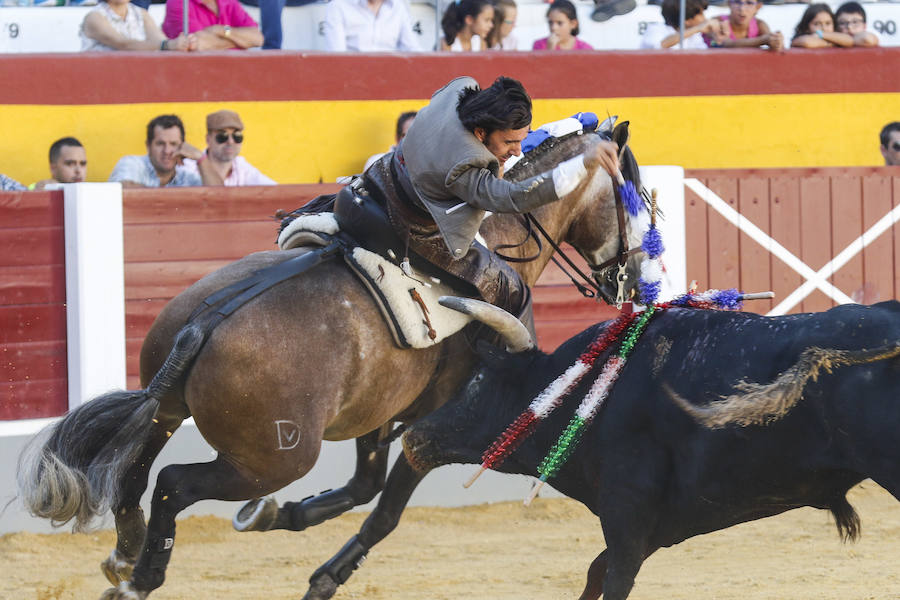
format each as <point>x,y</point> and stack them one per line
<point>263,514</point>
<point>400,485</point>
<point>593,589</point>
<point>130,527</point>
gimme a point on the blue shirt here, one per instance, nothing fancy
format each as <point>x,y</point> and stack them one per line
<point>140,170</point>
<point>8,184</point>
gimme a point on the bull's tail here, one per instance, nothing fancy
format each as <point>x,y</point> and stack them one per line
<point>760,404</point>
<point>72,469</point>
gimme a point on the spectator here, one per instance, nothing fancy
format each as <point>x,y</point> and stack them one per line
<point>224,139</point>
<point>120,25</point>
<point>216,24</point>
<point>666,35</point>
<point>465,24</point>
<point>890,144</point>
<point>161,166</point>
<point>369,26</point>
<point>270,19</point>
<point>404,121</point>
<point>605,9</point>
<point>68,163</point>
<point>816,30</point>
<point>741,29</point>
<point>8,184</point>
<point>501,37</point>
<point>850,18</point>
<point>563,22</point>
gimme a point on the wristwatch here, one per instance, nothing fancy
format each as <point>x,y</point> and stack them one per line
<point>228,31</point>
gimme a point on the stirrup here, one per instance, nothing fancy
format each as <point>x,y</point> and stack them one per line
<point>256,515</point>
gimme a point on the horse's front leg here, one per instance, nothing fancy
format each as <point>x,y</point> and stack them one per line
<point>401,483</point>
<point>264,514</point>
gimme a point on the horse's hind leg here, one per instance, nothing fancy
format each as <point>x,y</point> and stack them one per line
<point>130,526</point>
<point>263,514</point>
<point>178,487</point>
<point>400,485</point>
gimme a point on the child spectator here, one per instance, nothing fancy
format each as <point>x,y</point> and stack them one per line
<point>120,25</point>
<point>465,24</point>
<point>850,18</point>
<point>500,37</point>
<point>743,30</point>
<point>216,24</point>
<point>816,30</point>
<point>563,22</point>
<point>658,35</point>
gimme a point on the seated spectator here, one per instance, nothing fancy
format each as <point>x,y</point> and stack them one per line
<point>563,22</point>
<point>161,166</point>
<point>850,18</point>
<point>465,24</point>
<point>68,163</point>
<point>666,35</point>
<point>369,26</point>
<point>890,144</point>
<point>216,24</point>
<point>120,25</point>
<point>404,121</point>
<point>741,29</point>
<point>270,19</point>
<point>816,30</point>
<point>8,184</point>
<point>224,140</point>
<point>501,37</point>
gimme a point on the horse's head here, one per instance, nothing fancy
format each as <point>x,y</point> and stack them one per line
<point>610,243</point>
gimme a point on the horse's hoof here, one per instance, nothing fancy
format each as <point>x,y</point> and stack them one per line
<point>256,515</point>
<point>123,591</point>
<point>116,567</point>
<point>321,588</point>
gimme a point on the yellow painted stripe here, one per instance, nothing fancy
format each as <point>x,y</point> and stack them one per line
<point>307,142</point>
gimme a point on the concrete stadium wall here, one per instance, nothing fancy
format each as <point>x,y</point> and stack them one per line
<point>312,117</point>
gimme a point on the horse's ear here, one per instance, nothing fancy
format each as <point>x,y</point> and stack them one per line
<point>607,125</point>
<point>620,134</point>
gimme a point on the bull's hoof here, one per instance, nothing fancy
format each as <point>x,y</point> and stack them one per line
<point>256,515</point>
<point>321,588</point>
<point>116,567</point>
<point>123,591</point>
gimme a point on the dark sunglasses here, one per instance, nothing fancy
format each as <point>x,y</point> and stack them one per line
<point>237,136</point>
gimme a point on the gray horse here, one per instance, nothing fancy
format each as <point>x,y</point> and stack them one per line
<point>312,351</point>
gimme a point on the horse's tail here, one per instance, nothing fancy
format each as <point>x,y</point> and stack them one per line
<point>72,468</point>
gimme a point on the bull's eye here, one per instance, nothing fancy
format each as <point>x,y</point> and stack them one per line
<point>478,378</point>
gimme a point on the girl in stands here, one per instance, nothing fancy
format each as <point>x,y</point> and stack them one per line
<point>563,22</point>
<point>816,30</point>
<point>466,23</point>
<point>743,30</point>
<point>500,37</point>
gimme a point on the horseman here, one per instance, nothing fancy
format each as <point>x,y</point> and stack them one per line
<point>448,171</point>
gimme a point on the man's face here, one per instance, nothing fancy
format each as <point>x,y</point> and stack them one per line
<point>851,23</point>
<point>163,148</point>
<point>891,152</point>
<point>503,143</point>
<point>70,166</point>
<point>223,145</point>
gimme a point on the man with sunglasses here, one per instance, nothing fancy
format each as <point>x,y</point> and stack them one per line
<point>890,144</point>
<point>224,139</point>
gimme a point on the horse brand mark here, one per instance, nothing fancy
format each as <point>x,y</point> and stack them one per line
<point>288,434</point>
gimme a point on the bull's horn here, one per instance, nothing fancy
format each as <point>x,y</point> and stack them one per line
<point>516,335</point>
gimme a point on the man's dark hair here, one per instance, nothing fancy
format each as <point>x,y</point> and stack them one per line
<point>401,121</point>
<point>57,146</point>
<point>850,8</point>
<point>164,122</point>
<point>504,105</point>
<point>887,131</point>
<point>671,8</point>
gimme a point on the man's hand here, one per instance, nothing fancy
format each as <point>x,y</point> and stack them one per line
<point>188,151</point>
<point>603,154</point>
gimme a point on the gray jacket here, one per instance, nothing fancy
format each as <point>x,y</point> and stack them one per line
<point>455,175</point>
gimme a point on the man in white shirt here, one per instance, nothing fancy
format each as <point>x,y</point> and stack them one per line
<point>224,139</point>
<point>369,26</point>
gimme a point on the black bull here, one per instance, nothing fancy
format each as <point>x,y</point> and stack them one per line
<point>822,421</point>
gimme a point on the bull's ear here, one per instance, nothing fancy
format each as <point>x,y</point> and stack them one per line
<point>620,134</point>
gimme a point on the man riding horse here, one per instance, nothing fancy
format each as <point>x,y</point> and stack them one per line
<point>448,171</point>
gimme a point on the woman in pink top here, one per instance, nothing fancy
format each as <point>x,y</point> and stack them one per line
<point>563,22</point>
<point>216,24</point>
<point>741,29</point>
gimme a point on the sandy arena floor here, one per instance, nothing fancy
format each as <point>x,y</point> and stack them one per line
<point>490,552</point>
